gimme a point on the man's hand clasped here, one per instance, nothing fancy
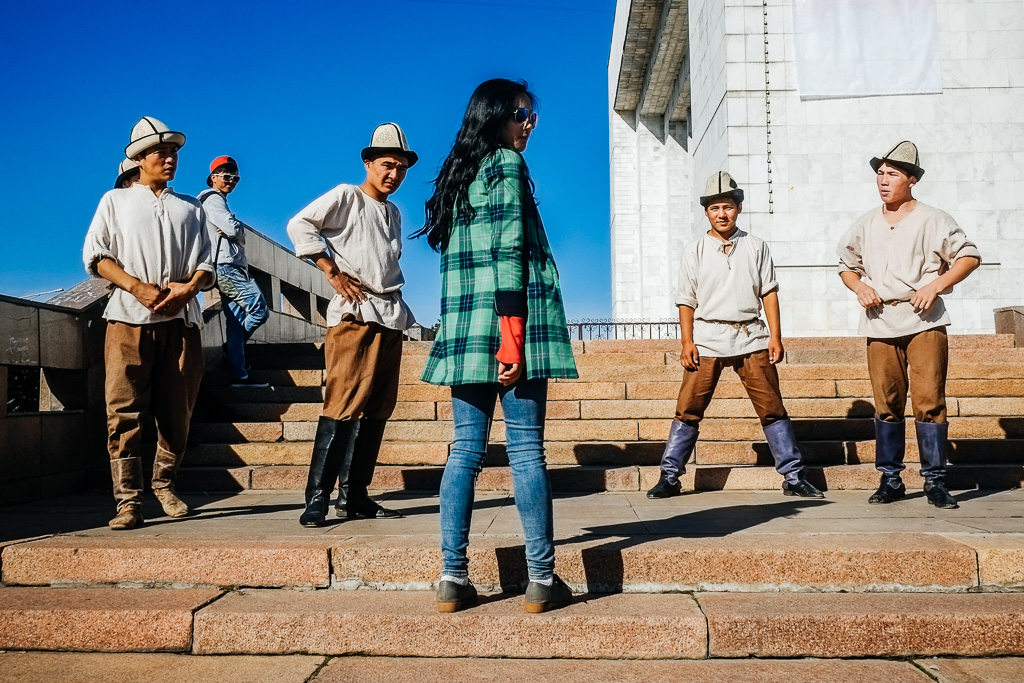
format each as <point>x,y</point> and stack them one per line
<point>925,297</point>
<point>149,295</point>
<point>867,296</point>
<point>168,300</point>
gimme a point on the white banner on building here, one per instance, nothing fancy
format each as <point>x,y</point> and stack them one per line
<point>859,48</point>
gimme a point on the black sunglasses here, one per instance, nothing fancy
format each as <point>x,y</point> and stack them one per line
<point>522,115</point>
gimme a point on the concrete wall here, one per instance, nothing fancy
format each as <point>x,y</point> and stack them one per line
<point>651,195</point>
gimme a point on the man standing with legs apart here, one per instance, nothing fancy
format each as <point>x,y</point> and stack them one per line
<point>898,259</point>
<point>354,235</point>
<point>724,279</point>
<point>245,308</point>
<point>152,245</point>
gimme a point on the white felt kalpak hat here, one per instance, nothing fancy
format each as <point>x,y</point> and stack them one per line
<point>388,138</point>
<point>127,167</point>
<point>721,186</point>
<point>148,132</point>
<point>904,156</point>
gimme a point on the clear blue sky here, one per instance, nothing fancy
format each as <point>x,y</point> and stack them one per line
<point>293,90</point>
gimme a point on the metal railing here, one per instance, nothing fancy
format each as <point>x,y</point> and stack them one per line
<point>589,329</point>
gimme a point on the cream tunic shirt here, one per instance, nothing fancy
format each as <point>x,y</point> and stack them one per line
<point>364,237</point>
<point>727,288</point>
<point>157,239</point>
<point>897,260</point>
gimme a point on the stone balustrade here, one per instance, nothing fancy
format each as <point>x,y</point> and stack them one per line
<point>52,416</point>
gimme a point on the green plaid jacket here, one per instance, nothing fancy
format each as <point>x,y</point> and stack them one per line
<point>499,262</point>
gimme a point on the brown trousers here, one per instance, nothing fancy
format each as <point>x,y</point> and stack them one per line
<point>363,363</point>
<point>759,377</point>
<point>155,368</point>
<point>927,354</point>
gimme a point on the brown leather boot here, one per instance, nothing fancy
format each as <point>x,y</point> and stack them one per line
<point>165,464</point>
<point>128,516</point>
<point>169,501</point>
<point>126,474</point>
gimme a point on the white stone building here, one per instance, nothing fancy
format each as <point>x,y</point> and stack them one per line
<point>688,97</point>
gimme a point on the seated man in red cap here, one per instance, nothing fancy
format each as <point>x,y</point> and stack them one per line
<point>245,307</point>
<point>354,235</point>
<point>725,279</point>
<point>151,244</point>
<point>898,259</point>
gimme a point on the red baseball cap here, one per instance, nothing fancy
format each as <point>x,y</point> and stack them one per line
<point>219,161</point>
<point>222,160</point>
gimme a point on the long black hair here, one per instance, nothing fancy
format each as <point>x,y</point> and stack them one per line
<point>486,115</point>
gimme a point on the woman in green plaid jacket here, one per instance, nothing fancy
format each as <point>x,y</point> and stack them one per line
<point>502,335</point>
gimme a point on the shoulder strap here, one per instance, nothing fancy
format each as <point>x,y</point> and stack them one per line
<point>203,196</point>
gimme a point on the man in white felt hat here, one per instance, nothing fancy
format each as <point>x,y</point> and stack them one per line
<point>726,277</point>
<point>127,174</point>
<point>152,245</point>
<point>354,235</point>
<point>898,259</point>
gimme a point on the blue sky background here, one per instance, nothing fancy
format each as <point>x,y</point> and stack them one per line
<point>293,90</point>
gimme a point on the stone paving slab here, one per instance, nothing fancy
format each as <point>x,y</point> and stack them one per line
<point>1001,670</point>
<point>274,515</point>
<point>83,667</point>
<point>99,619</point>
<point>405,670</point>
<point>353,622</point>
<point>863,624</point>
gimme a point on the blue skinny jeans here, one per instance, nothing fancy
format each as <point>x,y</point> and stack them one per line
<point>524,405</point>
<point>245,310</point>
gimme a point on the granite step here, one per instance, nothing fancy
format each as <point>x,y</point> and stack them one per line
<point>963,364</point>
<point>297,422</point>
<point>598,478</point>
<point>255,452</point>
<point>820,388</point>
<point>956,341</point>
<point>154,561</point>
<point>84,667</point>
<point>120,667</point>
<point>787,371</point>
<point>217,378</point>
<point>417,670</point>
<point>99,619</point>
<point>847,562</point>
<point>622,388</point>
<point>292,404</point>
<point>352,622</point>
<point>615,626</point>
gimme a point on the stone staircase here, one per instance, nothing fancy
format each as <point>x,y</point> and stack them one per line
<point>606,431</point>
<point>735,572</point>
<point>242,577</point>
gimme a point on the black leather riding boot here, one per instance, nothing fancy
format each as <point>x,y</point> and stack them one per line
<point>352,496</point>
<point>333,438</point>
